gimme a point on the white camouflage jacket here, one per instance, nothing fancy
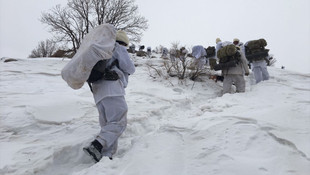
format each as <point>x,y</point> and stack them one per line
<point>106,88</point>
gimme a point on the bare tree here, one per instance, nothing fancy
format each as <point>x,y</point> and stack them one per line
<point>65,27</point>
<point>71,23</point>
<point>175,45</point>
<point>44,49</point>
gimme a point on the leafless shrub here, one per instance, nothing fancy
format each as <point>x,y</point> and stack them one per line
<point>44,49</point>
<point>157,70</point>
<point>159,49</point>
<point>60,53</point>
<point>271,61</point>
<point>179,65</point>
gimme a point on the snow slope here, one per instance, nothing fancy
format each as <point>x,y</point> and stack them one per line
<point>173,128</point>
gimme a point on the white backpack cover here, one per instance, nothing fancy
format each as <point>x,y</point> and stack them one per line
<point>97,45</point>
<point>198,51</point>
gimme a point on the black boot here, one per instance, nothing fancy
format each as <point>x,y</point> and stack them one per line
<point>94,150</point>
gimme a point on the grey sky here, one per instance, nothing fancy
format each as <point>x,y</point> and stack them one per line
<point>285,24</point>
<point>20,28</point>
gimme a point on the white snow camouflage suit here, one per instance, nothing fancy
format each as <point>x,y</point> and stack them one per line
<point>110,101</point>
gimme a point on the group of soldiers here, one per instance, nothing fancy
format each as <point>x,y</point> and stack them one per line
<point>234,59</point>
<point>251,55</point>
<point>132,49</point>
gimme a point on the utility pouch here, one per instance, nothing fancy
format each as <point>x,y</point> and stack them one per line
<point>110,75</point>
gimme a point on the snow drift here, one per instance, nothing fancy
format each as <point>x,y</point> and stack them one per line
<point>173,129</point>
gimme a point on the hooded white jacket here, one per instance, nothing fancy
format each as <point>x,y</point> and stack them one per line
<point>107,88</point>
<point>198,52</point>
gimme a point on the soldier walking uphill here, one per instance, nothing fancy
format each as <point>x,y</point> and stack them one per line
<point>258,56</point>
<point>109,92</point>
<point>233,64</point>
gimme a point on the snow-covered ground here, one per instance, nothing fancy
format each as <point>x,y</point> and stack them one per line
<point>173,128</point>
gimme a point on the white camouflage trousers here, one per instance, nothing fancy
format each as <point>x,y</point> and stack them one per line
<point>113,121</point>
<point>260,71</point>
<point>238,80</point>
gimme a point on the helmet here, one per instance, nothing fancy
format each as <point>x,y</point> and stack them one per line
<point>122,37</point>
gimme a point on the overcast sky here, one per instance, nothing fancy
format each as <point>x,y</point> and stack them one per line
<point>285,24</point>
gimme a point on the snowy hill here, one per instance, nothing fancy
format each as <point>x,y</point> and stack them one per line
<point>173,128</point>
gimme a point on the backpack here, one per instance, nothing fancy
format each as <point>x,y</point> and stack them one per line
<point>97,71</point>
<point>210,51</point>
<point>212,62</point>
<point>255,50</point>
<point>141,47</point>
<point>228,57</point>
<point>228,53</point>
<point>101,71</point>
